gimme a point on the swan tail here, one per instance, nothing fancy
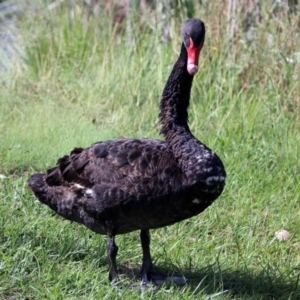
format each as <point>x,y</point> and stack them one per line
<point>64,200</point>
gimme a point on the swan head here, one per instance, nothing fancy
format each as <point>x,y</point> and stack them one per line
<point>193,34</point>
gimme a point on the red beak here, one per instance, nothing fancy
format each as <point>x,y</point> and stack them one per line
<point>193,57</point>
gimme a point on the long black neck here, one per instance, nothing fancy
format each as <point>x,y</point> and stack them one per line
<point>174,104</point>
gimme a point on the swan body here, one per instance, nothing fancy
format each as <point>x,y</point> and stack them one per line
<point>118,186</point>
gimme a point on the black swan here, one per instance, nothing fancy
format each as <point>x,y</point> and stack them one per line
<point>118,186</point>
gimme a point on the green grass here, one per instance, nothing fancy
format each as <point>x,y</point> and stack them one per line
<point>84,81</point>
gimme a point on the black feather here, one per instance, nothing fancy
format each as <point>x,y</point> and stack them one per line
<point>100,150</point>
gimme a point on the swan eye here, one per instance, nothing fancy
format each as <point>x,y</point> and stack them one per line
<point>187,40</point>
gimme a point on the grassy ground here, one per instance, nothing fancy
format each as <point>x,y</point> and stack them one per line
<point>84,81</point>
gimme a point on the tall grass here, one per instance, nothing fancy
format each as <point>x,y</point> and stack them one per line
<point>86,79</point>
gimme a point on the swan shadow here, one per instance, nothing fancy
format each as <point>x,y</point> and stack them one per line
<point>214,280</point>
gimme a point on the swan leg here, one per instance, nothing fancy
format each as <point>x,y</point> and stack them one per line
<point>147,260</point>
<point>112,250</point>
<point>147,273</point>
